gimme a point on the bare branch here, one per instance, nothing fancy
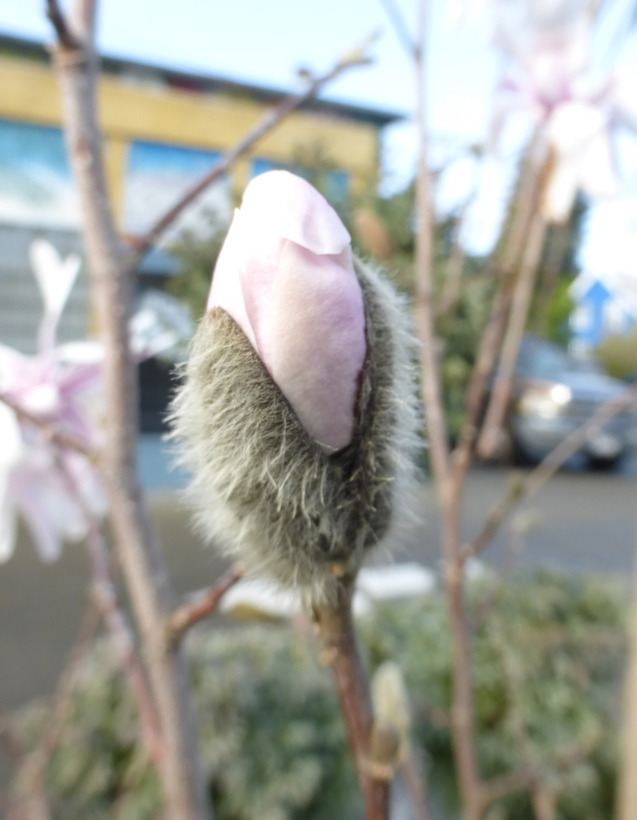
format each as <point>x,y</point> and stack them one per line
<point>50,431</point>
<point>571,444</point>
<point>400,27</point>
<point>522,211</point>
<point>341,652</point>
<point>357,57</point>
<point>33,769</point>
<point>535,480</point>
<point>61,26</point>
<point>415,786</point>
<point>182,779</point>
<point>511,348</point>
<point>187,615</point>
<point>105,597</point>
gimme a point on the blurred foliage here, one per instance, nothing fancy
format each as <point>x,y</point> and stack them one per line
<point>547,657</point>
<point>618,355</point>
<point>196,253</point>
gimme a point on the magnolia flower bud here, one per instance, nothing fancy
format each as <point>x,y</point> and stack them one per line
<point>297,417</point>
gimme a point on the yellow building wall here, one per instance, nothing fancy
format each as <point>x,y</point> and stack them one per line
<point>134,111</point>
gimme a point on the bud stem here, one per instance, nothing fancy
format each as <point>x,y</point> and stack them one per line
<point>336,629</point>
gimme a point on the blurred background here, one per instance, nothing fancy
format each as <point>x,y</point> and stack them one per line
<point>181,83</point>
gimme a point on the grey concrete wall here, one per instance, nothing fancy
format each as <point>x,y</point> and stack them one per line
<point>20,300</point>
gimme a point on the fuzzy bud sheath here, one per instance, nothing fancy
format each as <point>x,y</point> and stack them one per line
<point>297,417</point>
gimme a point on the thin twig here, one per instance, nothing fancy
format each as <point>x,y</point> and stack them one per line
<point>520,306</point>
<point>184,786</point>
<point>287,106</point>
<point>535,480</point>
<point>414,785</point>
<point>341,652</point>
<point>60,24</point>
<point>400,27</point>
<point>10,742</point>
<point>33,769</point>
<point>522,210</point>
<point>457,256</point>
<point>50,431</point>
<point>105,596</point>
<point>187,615</point>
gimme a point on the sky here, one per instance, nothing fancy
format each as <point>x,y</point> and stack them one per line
<point>267,42</point>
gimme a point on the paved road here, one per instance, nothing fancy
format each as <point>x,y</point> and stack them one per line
<point>587,523</point>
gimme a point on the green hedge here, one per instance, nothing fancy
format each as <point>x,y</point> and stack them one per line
<point>547,655</point>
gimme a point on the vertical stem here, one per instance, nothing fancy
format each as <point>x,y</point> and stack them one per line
<point>462,708</point>
<point>515,330</point>
<point>522,210</point>
<point>627,797</point>
<point>342,653</point>
<point>137,545</point>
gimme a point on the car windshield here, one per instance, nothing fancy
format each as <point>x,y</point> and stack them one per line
<point>544,361</point>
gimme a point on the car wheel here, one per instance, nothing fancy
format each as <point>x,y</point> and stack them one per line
<point>604,464</point>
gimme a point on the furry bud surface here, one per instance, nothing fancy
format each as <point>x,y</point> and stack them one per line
<point>265,486</point>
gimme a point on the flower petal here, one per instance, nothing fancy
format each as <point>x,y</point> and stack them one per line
<point>313,340</point>
<point>10,455</point>
<point>55,279</point>
<point>285,275</point>
<point>284,204</point>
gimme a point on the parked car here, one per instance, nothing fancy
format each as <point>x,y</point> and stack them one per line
<point>553,394</point>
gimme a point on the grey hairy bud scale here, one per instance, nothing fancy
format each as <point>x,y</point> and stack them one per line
<point>262,488</point>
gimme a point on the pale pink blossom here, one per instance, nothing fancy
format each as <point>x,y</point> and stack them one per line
<point>549,74</point>
<point>285,274</point>
<point>52,489</point>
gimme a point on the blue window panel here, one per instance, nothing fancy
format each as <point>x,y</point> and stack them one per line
<point>36,186</point>
<point>335,184</point>
<point>158,175</point>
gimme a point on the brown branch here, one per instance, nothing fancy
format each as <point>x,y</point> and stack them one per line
<point>60,24</point>
<point>10,742</point>
<point>505,266</point>
<point>144,569</point>
<point>187,615</point>
<point>105,597</point>
<point>341,652</point>
<point>33,769</point>
<point>400,27</point>
<point>457,256</point>
<point>520,305</point>
<point>627,786</point>
<point>286,107</point>
<point>414,785</point>
<point>537,478</point>
<point>50,431</point>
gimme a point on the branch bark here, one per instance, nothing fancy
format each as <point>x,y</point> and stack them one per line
<point>188,615</point>
<point>505,266</point>
<point>286,107</point>
<point>30,777</point>
<point>341,652</point>
<point>515,330</point>
<point>526,488</point>
<point>185,788</point>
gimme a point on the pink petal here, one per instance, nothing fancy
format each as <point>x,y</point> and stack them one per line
<point>55,279</point>
<point>285,274</point>
<point>313,340</point>
<point>283,204</point>
<point>10,455</point>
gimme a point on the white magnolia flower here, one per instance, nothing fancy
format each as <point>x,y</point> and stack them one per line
<point>52,489</point>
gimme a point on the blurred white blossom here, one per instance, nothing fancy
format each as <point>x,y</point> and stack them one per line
<point>53,489</point>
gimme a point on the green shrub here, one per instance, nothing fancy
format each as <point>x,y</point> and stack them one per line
<point>547,656</point>
<point>618,355</point>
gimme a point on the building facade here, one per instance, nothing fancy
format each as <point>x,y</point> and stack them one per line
<point>163,129</point>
